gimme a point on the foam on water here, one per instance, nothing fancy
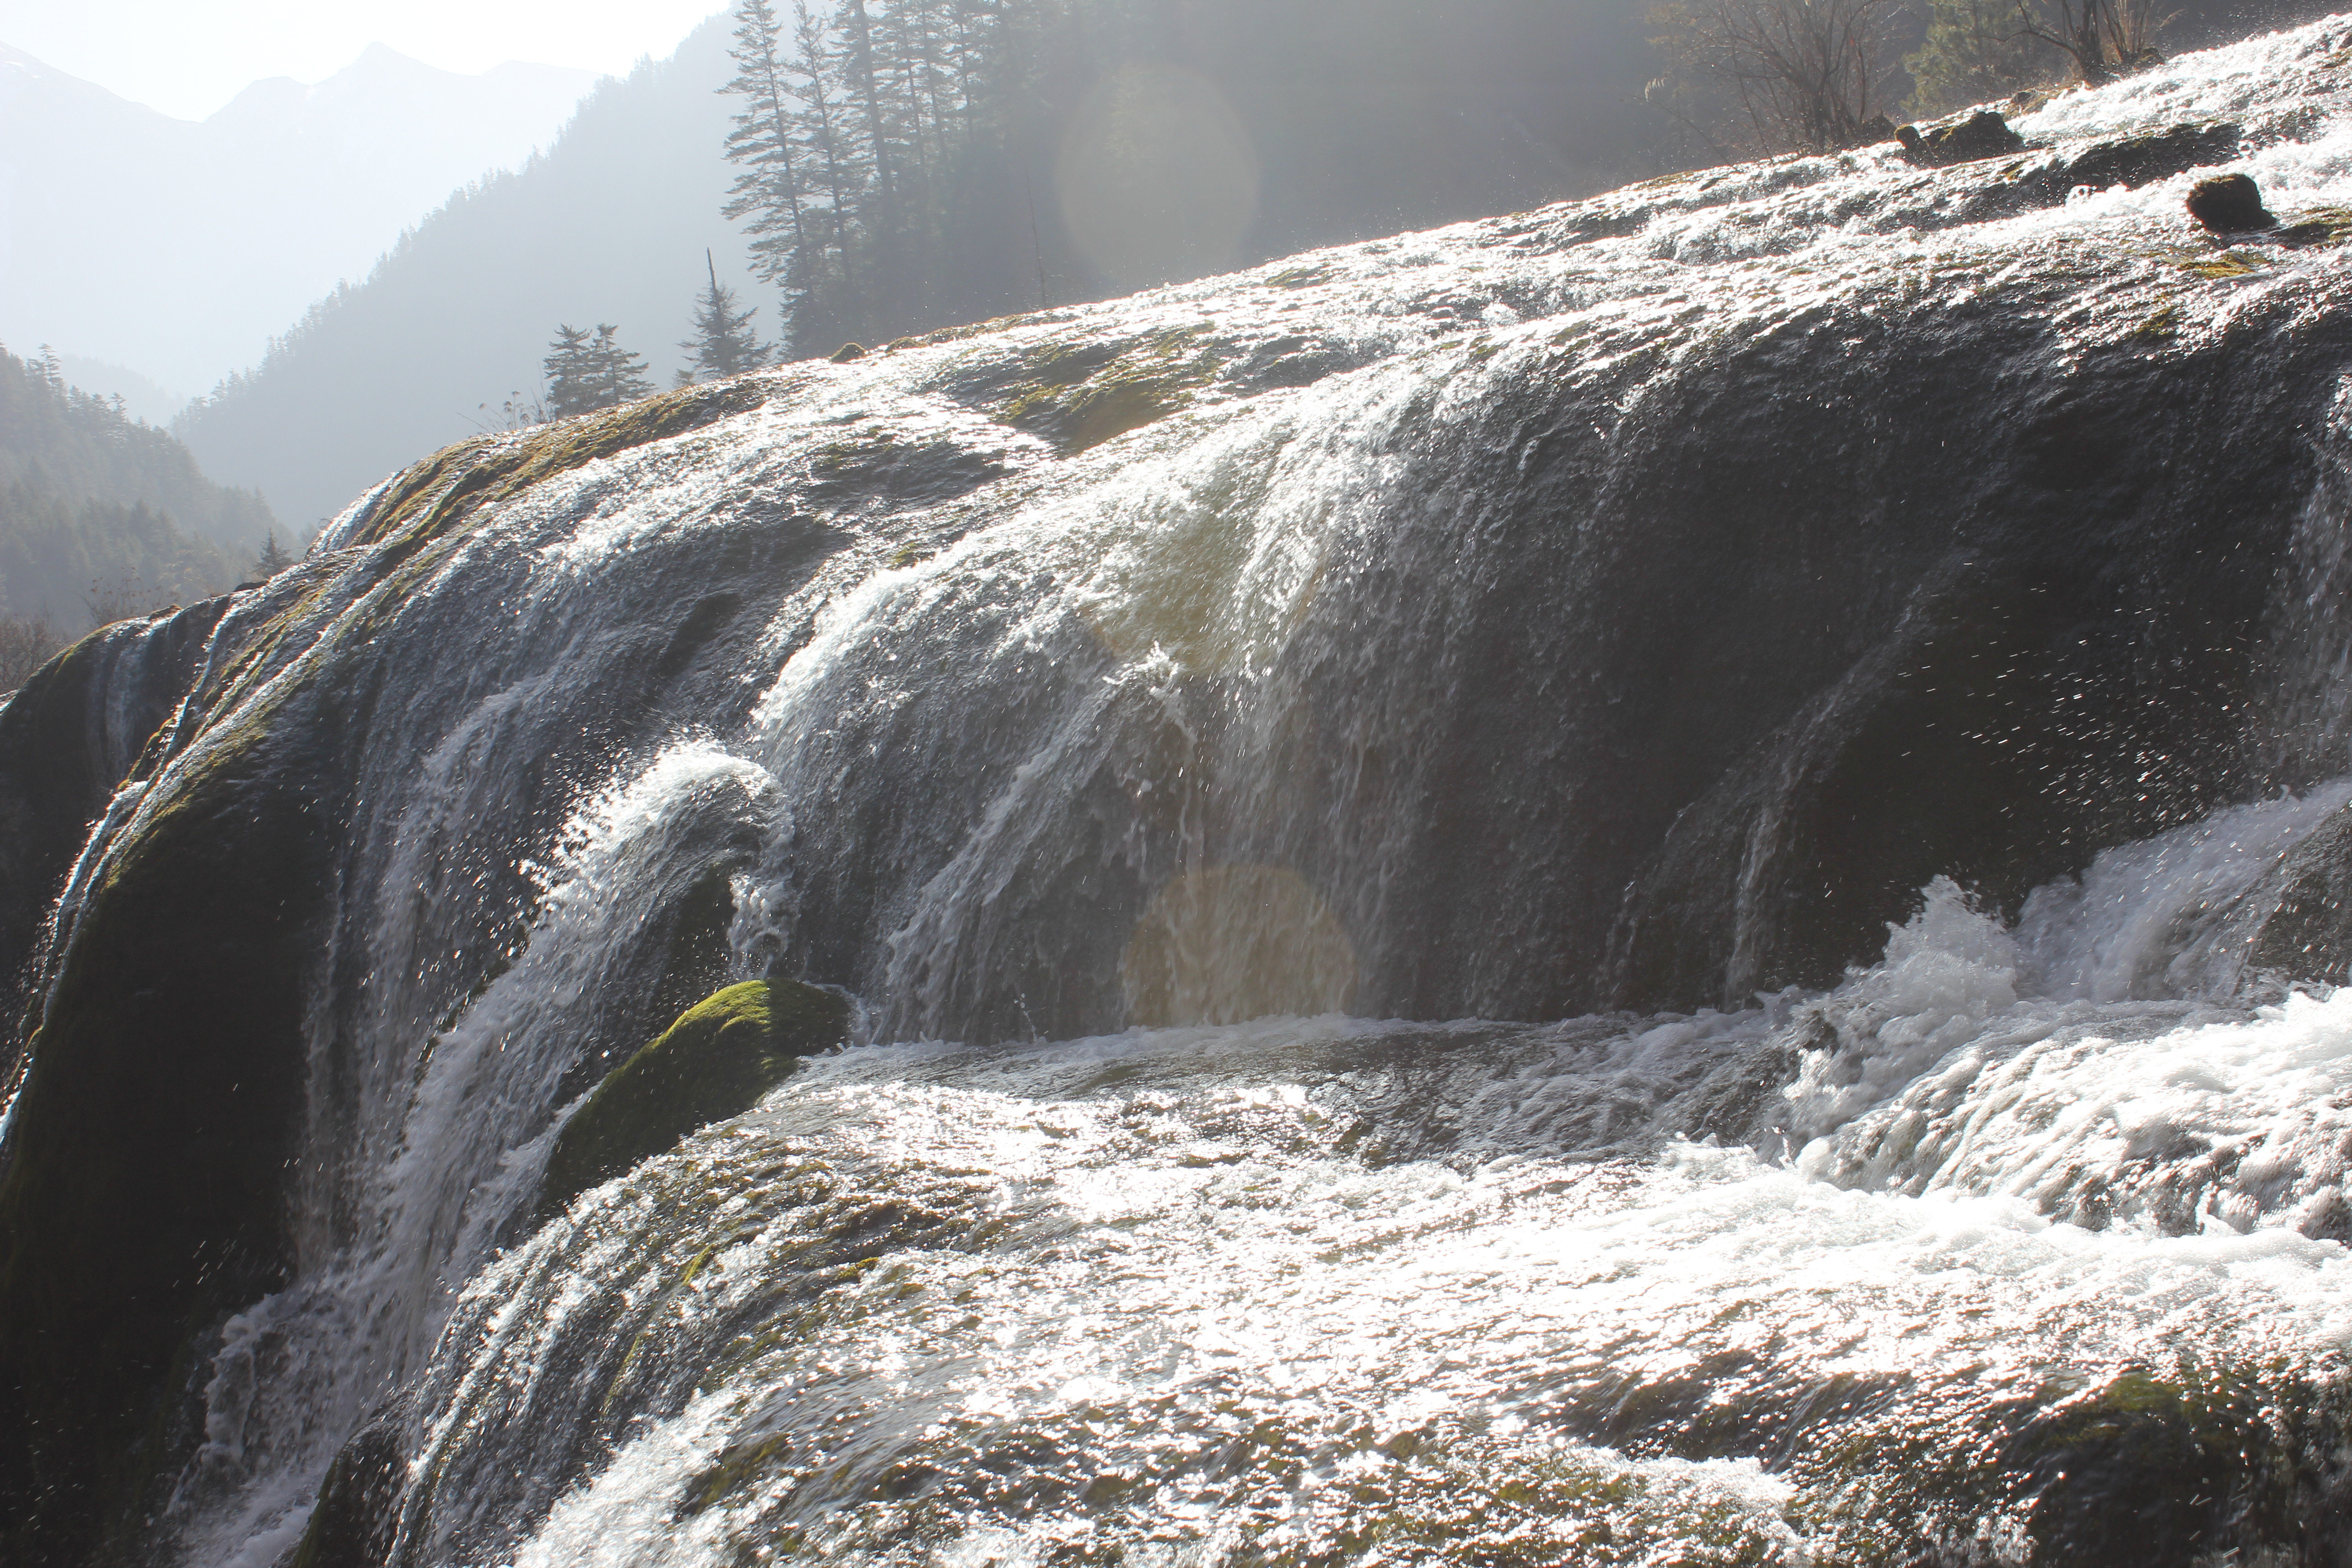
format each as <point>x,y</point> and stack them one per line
<point>1152,1286</point>
<point>1262,1287</point>
<point>1170,1314</point>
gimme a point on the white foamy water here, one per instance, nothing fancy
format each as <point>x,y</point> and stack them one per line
<point>1160,732</point>
<point>1174,1316</point>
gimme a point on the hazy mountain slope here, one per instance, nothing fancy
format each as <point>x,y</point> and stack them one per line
<point>89,494</point>
<point>1352,118</point>
<point>608,225</point>
<point>211,237</point>
<point>1358,122</point>
<point>142,397</point>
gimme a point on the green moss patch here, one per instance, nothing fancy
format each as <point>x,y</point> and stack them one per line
<point>1300,277</point>
<point>434,496</point>
<point>715,1062</point>
<point>2224,265</point>
<point>1079,397</point>
<point>2318,228</point>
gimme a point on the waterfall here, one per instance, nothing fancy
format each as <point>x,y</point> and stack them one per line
<point>1645,882</point>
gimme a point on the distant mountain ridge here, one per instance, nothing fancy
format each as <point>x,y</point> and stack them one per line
<point>608,225</point>
<point>215,234</point>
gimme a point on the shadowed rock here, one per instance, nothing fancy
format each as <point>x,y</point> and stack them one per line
<point>2158,155</point>
<point>715,1062</point>
<point>1984,134</point>
<point>2230,203</point>
<point>2307,935</point>
<point>358,1508</point>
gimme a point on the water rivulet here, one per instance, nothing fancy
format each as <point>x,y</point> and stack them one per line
<point>1654,882</point>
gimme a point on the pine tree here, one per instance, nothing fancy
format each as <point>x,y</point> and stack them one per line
<point>618,376</point>
<point>858,70</point>
<point>1972,53</point>
<point>763,144</point>
<point>587,371</point>
<point>272,559</point>
<point>570,375</point>
<point>824,129</point>
<point>917,128</point>
<point>723,343</point>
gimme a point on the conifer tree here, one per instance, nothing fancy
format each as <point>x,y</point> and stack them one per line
<point>763,144</point>
<point>1973,53</point>
<point>859,70</point>
<point>588,371</point>
<point>913,130</point>
<point>824,130</point>
<point>272,559</point>
<point>724,343</point>
<point>571,373</point>
<point>617,375</point>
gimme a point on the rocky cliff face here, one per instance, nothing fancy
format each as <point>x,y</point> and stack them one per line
<point>1630,604</point>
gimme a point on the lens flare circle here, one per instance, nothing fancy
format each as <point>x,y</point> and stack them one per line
<point>1157,176</point>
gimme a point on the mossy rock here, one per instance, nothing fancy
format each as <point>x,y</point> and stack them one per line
<point>143,1198</point>
<point>1982,135</point>
<point>358,1511</point>
<point>2135,161</point>
<point>1080,396</point>
<point>716,1061</point>
<point>431,498</point>
<point>66,741</point>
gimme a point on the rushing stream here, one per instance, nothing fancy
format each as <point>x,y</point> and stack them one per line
<point>1849,661</point>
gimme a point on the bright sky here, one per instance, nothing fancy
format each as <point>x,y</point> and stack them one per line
<point>187,57</point>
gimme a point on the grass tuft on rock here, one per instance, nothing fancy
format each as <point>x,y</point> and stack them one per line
<point>437,494</point>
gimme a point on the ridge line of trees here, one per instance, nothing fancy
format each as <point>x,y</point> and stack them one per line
<point>104,514</point>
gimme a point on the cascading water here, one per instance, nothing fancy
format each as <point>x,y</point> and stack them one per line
<point>1884,619</point>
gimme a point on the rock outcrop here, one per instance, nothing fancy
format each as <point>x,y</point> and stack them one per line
<point>2136,160</point>
<point>2230,203</point>
<point>716,1061</point>
<point>2307,934</point>
<point>1984,134</point>
<point>353,1522</point>
<point>68,739</point>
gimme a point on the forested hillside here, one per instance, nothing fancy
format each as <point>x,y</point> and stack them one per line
<point>609,226</point>
<point>916,164</point>
<point>1031,149</point>
<point>102,515</point>
<point>890,166</point>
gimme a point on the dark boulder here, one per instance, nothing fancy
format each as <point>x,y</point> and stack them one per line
<point>848,352</point>
<point>2129,161</point>
<point>2307,934</point>
<point>2230,203</point>
<point>358,1509</point>
<point>143,1197</point>
<point>68,739</point>
<point>2137,160</point>
<point>715,1062</point>
<point>1984,134</point>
